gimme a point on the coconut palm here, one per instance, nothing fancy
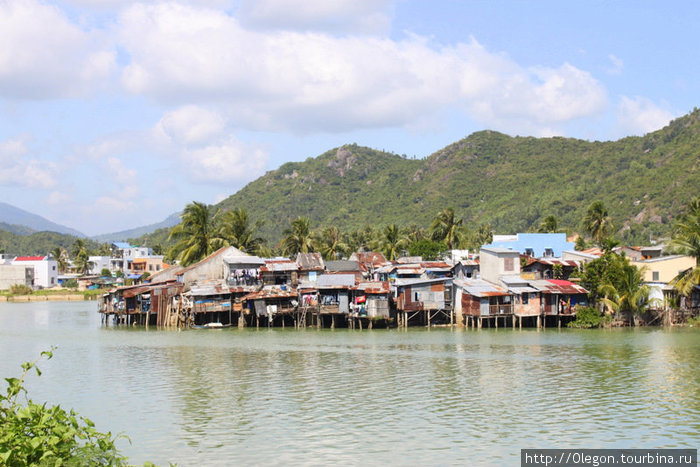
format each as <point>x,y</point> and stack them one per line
<point>81,262</point>
<point>482,236</point>
<point>548,225</point>
<point>196,234</point>
<point>686,241</point>
<point>392,242</point>
<point>629,296</point>
<point>78,246</point>
<point>361,239</point>
<point>235,229</point>
<point>298,237</point>
<point>597,222</point>
<point>61,257</point>
<point>329,242</point>
<point>447,229</point>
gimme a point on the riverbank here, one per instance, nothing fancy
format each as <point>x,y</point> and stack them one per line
<point>52,295</point>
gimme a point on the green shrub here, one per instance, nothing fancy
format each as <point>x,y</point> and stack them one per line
<point>71,284</point>
<point>694,322</point>
<point>37,434</point>
<point>20,289</point>
<point>588,317</point>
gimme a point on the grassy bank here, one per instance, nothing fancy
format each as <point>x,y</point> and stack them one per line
<point>50,295</point>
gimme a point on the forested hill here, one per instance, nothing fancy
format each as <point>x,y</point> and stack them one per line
<point>510,182</point>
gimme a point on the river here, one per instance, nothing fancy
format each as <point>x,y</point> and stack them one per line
<point>435,396</point>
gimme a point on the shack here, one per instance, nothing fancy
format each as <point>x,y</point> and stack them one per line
<point>423,298</point>
<point>478,300</point>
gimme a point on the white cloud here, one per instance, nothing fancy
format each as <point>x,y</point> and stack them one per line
<point>309,82</point>
<point>189,125</point>
<point>337,16</point>
<point>616,65</point>
<point>44,55</point>
<point>639,115</point>
<point>58,198</point>
<point>225,162</point>
<point>18,168</point>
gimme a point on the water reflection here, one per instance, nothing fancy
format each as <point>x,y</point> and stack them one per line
<point>316,397</point>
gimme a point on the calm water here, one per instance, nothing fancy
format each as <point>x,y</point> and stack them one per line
<point>417,397</point>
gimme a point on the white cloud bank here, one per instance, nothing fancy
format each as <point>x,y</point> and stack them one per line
<point>44,55</point>
<point>639,115</point>
<point>285,80</point>
<point>19,168</point>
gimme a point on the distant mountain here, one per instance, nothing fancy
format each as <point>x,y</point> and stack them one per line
<point>16,229</point>
<point>511,183</point>
<point>19,217</point>
<point>124,235</point>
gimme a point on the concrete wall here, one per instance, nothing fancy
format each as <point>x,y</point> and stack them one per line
<point>15,274</point>
<point>492,264</point>
<point>666,267</point>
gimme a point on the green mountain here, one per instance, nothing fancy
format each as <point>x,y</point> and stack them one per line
<point>36,243</point>
<point>19,217</point>
<point>510,182</point>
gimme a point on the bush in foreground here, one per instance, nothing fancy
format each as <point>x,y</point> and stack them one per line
<point>588,317</point>
<point>36,434</point>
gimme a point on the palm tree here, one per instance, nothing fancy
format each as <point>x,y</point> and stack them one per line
<point>548,225</point>
<point>415,233</point>
<point>361,239</point>
<point>61,257</point>
<point>78,246</point>
<point>482,236</point>
<point>392,242</point>
<point>686,241</point>
<point>597,222</point>
<point>196,234</point>
<point>445,228</point>
<point>330,244</point>
<point>235,229</point>
<point>298,237</point>
<point>81,262</point>
<point>629,296</point>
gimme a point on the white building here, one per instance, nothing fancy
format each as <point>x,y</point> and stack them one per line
<point>98,263</point>
<point>45,269</point>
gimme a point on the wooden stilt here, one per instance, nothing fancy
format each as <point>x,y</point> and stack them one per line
<point>332,321</point>
<point>538,321</point>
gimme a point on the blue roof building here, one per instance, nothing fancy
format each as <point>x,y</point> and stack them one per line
<point>537,245</point>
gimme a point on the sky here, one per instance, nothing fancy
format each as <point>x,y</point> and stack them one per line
<point>115,114</point>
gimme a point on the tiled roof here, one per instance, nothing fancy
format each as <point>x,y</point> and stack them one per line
<point>30,258</point>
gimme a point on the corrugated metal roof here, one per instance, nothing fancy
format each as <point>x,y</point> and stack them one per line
<point>310,261</point>
<point>374,287</point>
<point>205,260</point>
<point>519,290</point>
<point>513,280</point>
<point>406,282</point>
<point>335,280</point>
<point>238,257</point>
<point>480,288</point>
<point>30,258</point>
<point>272,291</point>
<point>557,286</point>
<point>209,287</point>
<point>371,258</point>
<point>280,266</point>
<point>342,266</point>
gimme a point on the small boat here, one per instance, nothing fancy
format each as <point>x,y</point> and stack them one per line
<point>210,326</point>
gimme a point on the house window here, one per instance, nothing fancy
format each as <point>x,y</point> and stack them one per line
<point>526,298</point>
<point>508,264</point>
<point>529,252</point>
<point>655,276</point>
<point>150,267</point>
<point>52,279</point>
<point>548,252</point>
<point>53,268</point>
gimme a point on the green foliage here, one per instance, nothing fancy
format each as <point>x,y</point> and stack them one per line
<point>608,269</point>
<point>430,250</point>
<point>694,322</point>
<point>392,242</point>
<point>627,294</point>
<point>597,222</point>
<point>71,284</point>
<point>488,178</point>
<point>298,238</point>
<point>588,317</point>
<point>197,235</point>
<point>686,241</point>
<point>38,434</point>
<point>446,228</point>
<point>236,230</point>
<point>105,272</point>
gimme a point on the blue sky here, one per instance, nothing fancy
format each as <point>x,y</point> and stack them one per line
<point>115,114</point>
